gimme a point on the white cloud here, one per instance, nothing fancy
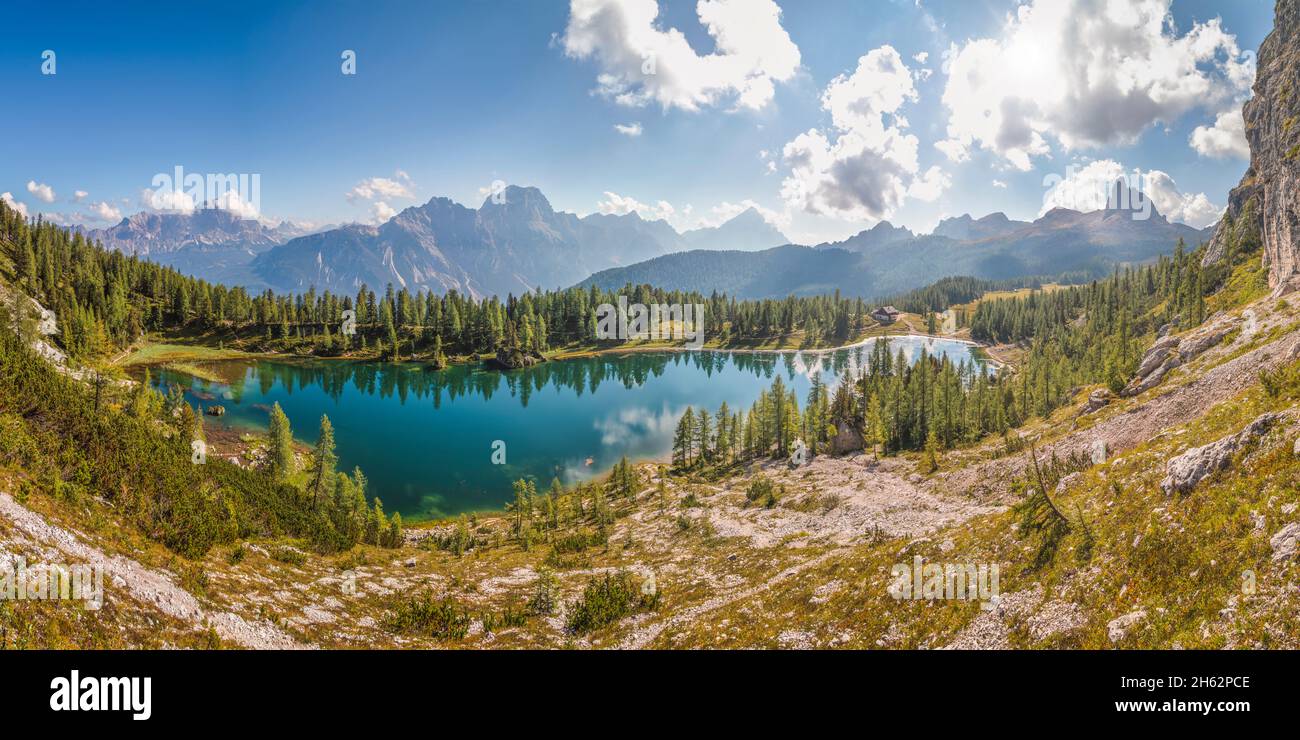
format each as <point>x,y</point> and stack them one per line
<point>1195,210</point>
<point>230,201</point>
<point>167,199</point>
<point>866,166</point>
<point>681,218</point>
<point>373,188</point>
<point>999,184</point>
<point>642,64</point>
<point>381,212</point>
<point>104,211</point>
<point>630,426</point>
<point>1088,188</point>
<point>1225,139</point>
<point>726,210</point>
<point>630,129</point>
<point>1087,74</point>
<point>921,57</point>
<point>79,195</point>
<point>8,199</point>
<point>930,186</point>
<point>620,205</point>
<point>40,191</point>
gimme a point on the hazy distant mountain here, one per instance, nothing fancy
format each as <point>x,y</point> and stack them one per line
<point>512,246</point>
<point>518,244</point>
<point>747,231</point>
<point>148,233</point>
<point>210,243</point>
<point>886,260</point>
<point>965,228</point>
<point>880,235</point>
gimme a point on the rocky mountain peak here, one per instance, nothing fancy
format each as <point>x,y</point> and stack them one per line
<point>516,199</point>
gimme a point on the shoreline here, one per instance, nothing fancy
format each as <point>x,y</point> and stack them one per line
<point>559,355</point>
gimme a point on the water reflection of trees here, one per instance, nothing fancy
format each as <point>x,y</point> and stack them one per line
<point>581,375</point>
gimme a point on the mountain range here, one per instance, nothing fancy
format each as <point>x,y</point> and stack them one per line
<point>517,242</point>
<point>886,260</point>
<point>511,244</point>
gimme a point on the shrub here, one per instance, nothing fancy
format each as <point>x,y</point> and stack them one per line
<point>607,600</point>
<point>762,491</point>
<point>289,555</point>
<point>443,620</point>
<point>579,541</point>
<point>542,602</point>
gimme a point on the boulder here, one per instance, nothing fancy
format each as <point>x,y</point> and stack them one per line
<point>1156,355</point>
<point>1191,467</point>
<point>1063,485</point>
<point>515,358</point>
<point>1158,360</point>
<point>847,438</point>
<point>1100,451</point>
<point>1192,347</point>
<point>215,409</point>
<point>1117,629</point>
<point>1284,542</point>
<point>1097,400</point>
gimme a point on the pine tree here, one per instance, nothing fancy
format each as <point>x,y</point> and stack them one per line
<point>321,485</point>
<point>395,536</point>
<point>931,460</point>
<point>281,444</point>
<point>683,439</point>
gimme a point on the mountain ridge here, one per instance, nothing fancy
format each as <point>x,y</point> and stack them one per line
<point>887,260</point>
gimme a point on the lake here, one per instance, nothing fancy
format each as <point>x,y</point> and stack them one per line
<point>425,438</point>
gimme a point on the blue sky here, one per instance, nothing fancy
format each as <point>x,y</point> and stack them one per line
<point>451,96</point>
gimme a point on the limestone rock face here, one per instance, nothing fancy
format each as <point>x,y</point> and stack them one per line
<point>1267,201</point>
<point>1191,467</point>
<point>1158,360</point>
<point>1171,351</point>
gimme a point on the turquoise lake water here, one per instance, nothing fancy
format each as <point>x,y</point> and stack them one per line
<point>425,438</point>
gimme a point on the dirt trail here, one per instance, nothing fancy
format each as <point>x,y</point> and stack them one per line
<point>146,585</point>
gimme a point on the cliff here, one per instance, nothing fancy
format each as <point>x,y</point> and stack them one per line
<point>1264,206</point>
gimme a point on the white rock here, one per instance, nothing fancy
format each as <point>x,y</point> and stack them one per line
<point>1189,468</point>
<point>1117,629</point>
<point>1284,542</point>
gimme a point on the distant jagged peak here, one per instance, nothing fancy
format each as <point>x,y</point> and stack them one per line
<point>517,197</point>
